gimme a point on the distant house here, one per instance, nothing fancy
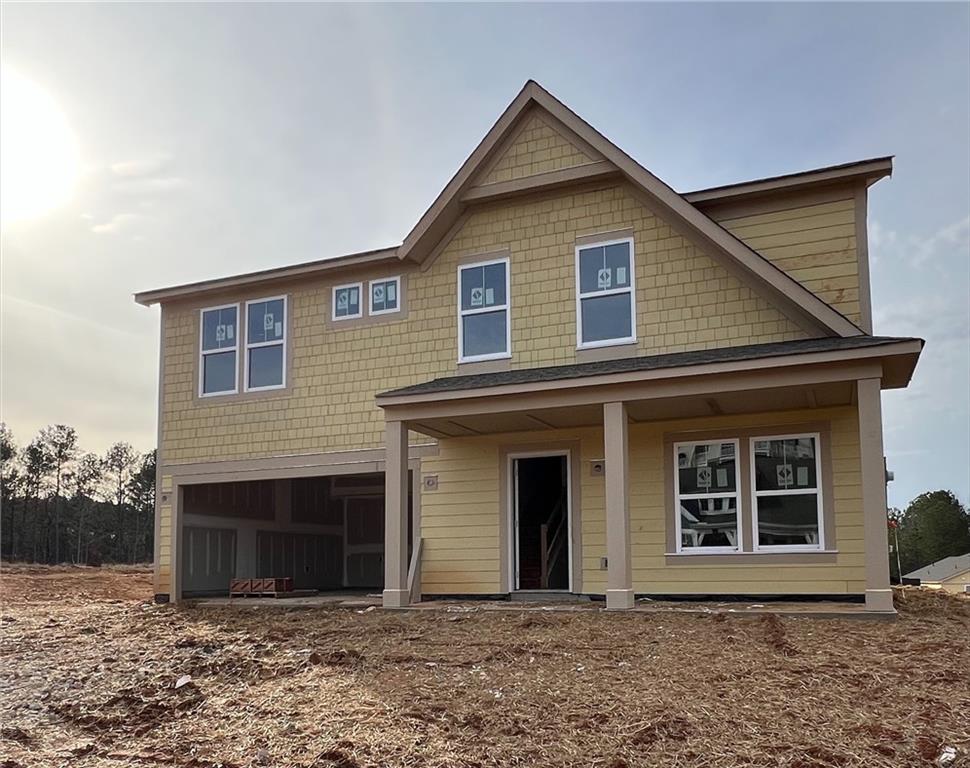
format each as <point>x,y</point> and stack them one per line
<point>950,573</point>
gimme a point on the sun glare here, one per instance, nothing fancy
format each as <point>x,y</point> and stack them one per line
<point>39,158</point>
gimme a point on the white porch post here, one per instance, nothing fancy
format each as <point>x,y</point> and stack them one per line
<point>879,596</point>
<point>396,515</point>
<point>619,592</point>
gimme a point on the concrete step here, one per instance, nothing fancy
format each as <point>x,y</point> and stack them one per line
<point>546,596</point>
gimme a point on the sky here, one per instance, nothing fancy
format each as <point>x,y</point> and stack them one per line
<point>217,139</point>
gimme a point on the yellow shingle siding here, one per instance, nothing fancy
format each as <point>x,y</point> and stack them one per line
<point>538,148</point>
<point>813,239</point>
<point>460,521</point>
<point>163,567</point>
<point>685,301</point>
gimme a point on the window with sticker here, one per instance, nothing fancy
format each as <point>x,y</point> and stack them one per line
<point>385,296</point>
<point>787,499</point>
<point>605,293</point>
<point>707,488</point>
<point>218,348</point>
<point>483,311</point>
<point>346,301</point>
<point>266,343</point>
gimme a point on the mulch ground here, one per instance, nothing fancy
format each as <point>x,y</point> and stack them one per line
<point>93,674</point>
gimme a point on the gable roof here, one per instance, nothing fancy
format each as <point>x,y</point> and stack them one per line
<point>446,211</point>
<point>943,569</point>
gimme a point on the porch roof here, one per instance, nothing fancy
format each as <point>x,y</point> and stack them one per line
<point>751,352</point>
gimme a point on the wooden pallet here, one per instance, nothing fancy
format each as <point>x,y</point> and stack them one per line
<point>273,587</point>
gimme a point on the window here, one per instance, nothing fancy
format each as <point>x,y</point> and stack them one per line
<point>346,301</point>
<point>787,505</point>
<point>266,343</point>
<point>218,345</point>
<point>483,311</point>
<point>605,313</point>
<point>385,296</point>
<point>706,487</point>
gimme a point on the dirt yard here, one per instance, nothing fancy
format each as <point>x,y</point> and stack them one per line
<point>93,674</point>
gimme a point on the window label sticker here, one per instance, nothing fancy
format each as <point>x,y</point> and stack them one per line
<point>378,293</point>
<point>489,296</point>
<point>722,478</point>
<point>703,477</point>
<point>229,333</point>
<point>477,297</point>
<point>220,333</point>
<point>784,473</point>
<point>342,300</point>
<point>603,278</point>
<point>621,274</point>
<point>268,321</point>
<point>279,329</point>
<point>353,295</point>
<point>391,292</point>
<point>802,476</point>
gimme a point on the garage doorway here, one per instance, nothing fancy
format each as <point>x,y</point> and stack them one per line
<point>541,538</point>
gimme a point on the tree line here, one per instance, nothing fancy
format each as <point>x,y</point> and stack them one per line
<point>933,526</point>
<point>59,504</point>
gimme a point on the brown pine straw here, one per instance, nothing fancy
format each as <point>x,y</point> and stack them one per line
<point>89,666</point>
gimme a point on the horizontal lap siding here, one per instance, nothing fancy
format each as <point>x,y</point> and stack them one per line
<point>812,238</point>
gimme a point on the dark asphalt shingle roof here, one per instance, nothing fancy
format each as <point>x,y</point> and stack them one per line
<point>647,363</point>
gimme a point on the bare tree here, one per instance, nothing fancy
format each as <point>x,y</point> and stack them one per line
<point>119,463</point>
<point>9,482</point>
<point>61,446</point>
<point>84,482</point>
<point>38,465</point>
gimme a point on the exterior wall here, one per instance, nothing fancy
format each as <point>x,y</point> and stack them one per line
<point>685,301</point>
<point>816,237</point>
<point>956,585</point>
<point>462,523</point>
<point>538,148</point>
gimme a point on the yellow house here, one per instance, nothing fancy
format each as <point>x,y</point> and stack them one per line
<point>568,377</point>
<point>951,574</point>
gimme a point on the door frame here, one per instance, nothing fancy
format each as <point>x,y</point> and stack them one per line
<point>513,507</point>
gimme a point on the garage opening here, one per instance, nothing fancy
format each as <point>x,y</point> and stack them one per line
<point>326,533</point>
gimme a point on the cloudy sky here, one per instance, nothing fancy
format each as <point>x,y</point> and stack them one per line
<point>218,139</point>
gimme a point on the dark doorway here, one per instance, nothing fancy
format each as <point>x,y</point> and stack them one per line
<point>541,522</point>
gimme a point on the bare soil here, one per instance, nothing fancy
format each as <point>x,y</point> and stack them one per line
<point>93,674</point>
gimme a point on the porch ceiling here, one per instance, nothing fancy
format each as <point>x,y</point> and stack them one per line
<point>659,409</point>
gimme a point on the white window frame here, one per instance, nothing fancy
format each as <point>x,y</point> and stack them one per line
<point>631,289</point>
<point>507,308</point>
<point>736,495</point>
<point>256,345</point>
<point>203,352</point>
<point>817,490</point>
<point>370,295</point>
<point>360,303</point>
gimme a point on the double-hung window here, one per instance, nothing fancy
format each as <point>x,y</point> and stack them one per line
<point>787,509</point>
<point>605,290</point>
<point>483,311</point>
<point>218,350</point>
<point>385,296</point>
<point>706,490</point>
<point>347,303</point>
<point>266,343</point>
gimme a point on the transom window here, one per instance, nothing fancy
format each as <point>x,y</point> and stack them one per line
<point>218,348</point>
<point>787,509</point>
<point>483,311</point>
<point>605,309</point>
<point>346,301</point>
<point>706,489</point>
<point>266,343</point>
<point>384,296</point>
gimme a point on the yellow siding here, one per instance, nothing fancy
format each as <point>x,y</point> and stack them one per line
<point>813,241</point>
<point>537,149</point>
<point>460,521</point>
<point>163,566</point>
<point>685,301</point>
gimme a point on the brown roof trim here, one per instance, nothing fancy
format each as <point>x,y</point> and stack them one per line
<point>147,298</point>
<point>870,171</point>
<point>660,367</point>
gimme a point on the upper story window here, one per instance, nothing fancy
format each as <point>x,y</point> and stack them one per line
<point>385,296</point>
<point>483,311</point>
<point>605,308</point>
<point>706,489</point>
<point>266,343</point>
<point>218,349</point>
<point>347,301</point>
<point>787,509</point>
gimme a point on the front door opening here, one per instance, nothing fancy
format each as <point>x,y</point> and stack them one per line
<point>541,499</point>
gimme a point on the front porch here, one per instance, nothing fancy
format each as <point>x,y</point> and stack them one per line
<point>618,422</point>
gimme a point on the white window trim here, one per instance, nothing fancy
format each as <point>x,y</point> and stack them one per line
<point>507,308</point>
<point>203,352</point>
<point>255,345</point>
<point>370,295</point>
<point>632,290</point>
<point>360,302</point>
<point>817,490</point>
<point>736,495</point>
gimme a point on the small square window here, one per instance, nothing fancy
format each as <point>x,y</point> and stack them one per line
<point>346,301</point>
<point>385,296</point>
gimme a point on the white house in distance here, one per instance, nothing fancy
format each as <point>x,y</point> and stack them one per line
<point>951,574</point>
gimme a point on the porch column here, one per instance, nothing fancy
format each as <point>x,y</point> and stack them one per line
<point>879,596</point>
<point>396,515</point>
<point>619,592</point>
